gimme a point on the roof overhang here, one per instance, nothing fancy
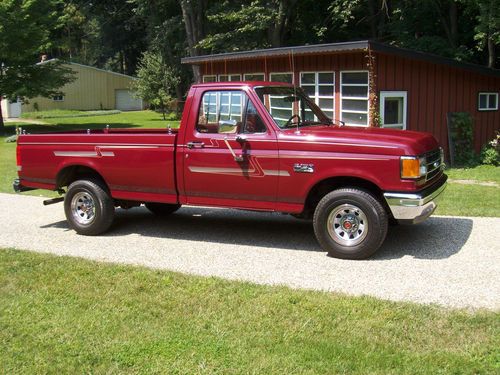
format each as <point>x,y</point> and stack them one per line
<point>357,46</point>
<point>278,52</point>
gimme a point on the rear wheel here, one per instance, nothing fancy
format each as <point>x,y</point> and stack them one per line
<point>162,209</point>
<point>350,223</point>
<point>89,207</point>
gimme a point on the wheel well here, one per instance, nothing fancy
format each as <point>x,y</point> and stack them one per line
<point>322,188</point>
<point>72,173</point>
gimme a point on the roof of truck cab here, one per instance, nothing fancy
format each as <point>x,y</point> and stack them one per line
<point>234,84</point>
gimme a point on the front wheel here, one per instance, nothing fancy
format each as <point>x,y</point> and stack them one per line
<point>89,207</point>
<point>350,223</point>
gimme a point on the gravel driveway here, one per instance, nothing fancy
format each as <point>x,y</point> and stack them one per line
<point>451,261</point>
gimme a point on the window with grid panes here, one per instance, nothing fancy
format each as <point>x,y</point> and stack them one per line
<point>220,106</point>
<point>229,77</point>
<point>279,109</point>
<point>320,87</point>
<point>354,98</point>
<point>209,78</point>
<point>488,101</point>
<point>253,77</point>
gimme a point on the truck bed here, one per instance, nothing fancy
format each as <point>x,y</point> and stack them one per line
<point>137,164</point>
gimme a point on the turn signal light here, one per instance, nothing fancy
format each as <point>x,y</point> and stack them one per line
<point>412,167</point>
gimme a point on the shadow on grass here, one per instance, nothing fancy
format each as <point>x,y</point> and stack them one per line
<point>437,238</point>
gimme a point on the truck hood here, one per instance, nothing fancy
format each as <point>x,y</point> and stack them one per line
<point>383,140</point>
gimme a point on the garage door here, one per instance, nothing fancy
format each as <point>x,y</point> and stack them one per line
<point>125,101</point>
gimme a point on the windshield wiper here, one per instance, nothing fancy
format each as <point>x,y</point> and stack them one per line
<point>310,123</point>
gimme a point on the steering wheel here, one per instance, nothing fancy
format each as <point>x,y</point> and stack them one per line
<point>289,122</point>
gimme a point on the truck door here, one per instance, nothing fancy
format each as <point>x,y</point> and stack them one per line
<point>230,156</point>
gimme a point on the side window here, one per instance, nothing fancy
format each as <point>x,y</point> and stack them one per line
<point>253,121</point>
<point>221,112</point>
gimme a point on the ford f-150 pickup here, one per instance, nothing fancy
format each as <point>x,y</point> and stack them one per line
<point>247,145</point>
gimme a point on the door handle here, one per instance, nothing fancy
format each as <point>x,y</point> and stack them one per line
<point>195,144</point>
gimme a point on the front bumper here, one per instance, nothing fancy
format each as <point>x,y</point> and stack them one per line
<point>413,208</point>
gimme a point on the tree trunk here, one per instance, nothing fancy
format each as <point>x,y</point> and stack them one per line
<point>193,13</point>
<point>372,9</point>
<point>491,52</point>
<point>278,29</point>
<point>453,13</point>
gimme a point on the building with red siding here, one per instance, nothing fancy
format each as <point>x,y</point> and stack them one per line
<point>364,83</point>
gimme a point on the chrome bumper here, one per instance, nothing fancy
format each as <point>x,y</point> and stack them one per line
<point>414,208</point>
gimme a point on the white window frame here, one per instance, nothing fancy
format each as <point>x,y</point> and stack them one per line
<point>229,77</point>
<point>253,74</point>
<point>367,112</point>
<point>271,107</point>
<point>487,93</point>
<point>217,104</point>
<point>275,73</point>
<point>211,76</point>
<point>230,104</point>
<point>317,97</point>
<point>393,94</point>
<point>58,100</point>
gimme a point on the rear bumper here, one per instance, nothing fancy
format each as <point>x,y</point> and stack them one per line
<point>18,188</point>
<point>413,208</point>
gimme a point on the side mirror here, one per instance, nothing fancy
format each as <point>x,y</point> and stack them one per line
<point>228,126</point>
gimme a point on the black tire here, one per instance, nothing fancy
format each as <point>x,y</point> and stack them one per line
<point>89,207</point>
<point>350,223</point>
<point>162,209</point>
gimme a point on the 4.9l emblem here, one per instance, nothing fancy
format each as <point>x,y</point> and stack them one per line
<point>303,168</point>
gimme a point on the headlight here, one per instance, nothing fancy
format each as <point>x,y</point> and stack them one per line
<point>413,167</point>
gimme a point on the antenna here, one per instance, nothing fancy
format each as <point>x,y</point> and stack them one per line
<point>294,89</point>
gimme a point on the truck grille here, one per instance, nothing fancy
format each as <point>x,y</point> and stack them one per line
<point>434,164</point>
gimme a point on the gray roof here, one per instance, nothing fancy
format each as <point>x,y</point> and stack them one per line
<point>357,46</point>
<point>281,51</point>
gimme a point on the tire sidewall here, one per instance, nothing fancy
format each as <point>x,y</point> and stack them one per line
<point>103,212</point>
<point>377,223</point>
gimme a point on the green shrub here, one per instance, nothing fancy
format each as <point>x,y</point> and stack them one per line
<point>490,154</point>
<point>461,127</point>
<point>173,116</point>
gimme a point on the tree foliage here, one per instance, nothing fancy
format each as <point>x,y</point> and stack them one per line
<point>156,81</point>
<point>114,34</point>
<point>25,32</point>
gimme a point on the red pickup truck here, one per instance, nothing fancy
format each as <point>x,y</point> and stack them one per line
<point>247,145</point>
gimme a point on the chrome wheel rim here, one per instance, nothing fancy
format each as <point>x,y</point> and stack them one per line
<point>347,225</point>
<point>83,208</point>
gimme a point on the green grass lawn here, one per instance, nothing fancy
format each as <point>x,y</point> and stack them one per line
<point>66,315</point>
<point>485,173</point>
<point>57,113</point>
<point>458,199</point>
<point>144,119</point>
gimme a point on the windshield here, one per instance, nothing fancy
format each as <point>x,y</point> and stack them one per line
<point>290,107</point>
